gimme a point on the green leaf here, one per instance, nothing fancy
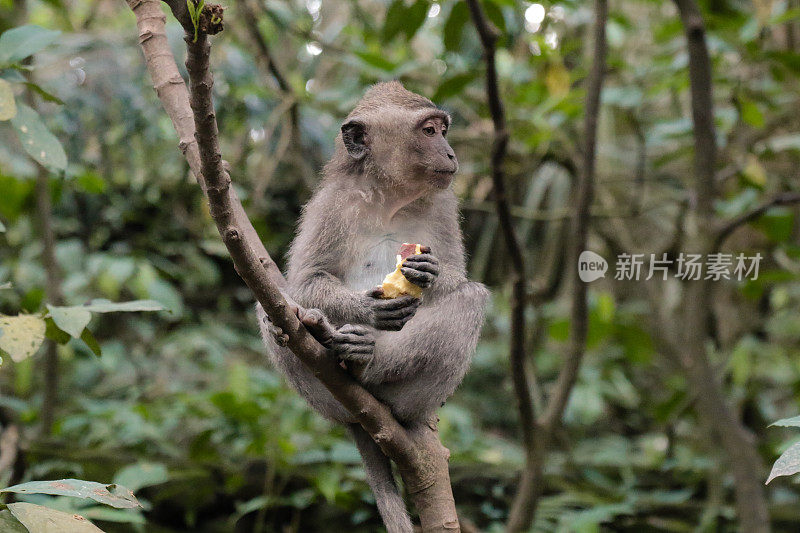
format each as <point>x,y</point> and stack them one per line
<point>70,319</point>
<point>787,464</point>
<point>39,519</point>
<point>454,27</point>
<point>395,19</point>
<point>751,114</point>
<point>107,306</point>
<point>495,15</point>
<point>415,18</point>
<point>22,335</point>
<point>113,495</point>
<point>376,61</point>
<point>54,333</point>
<point>44,94</point>
<point>37,140</point>
<point>8,107</point>
<point>18,43</point>
<point>788,422</point>
<point>777,223</point>
<point>453,86</point>
<point>140,475</point>
<point>91,342</point>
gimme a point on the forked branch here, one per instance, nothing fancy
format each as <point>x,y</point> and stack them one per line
<point>421,459</point>
<point>538,431</point>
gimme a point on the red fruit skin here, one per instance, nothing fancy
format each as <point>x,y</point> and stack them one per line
<point>407,249</point>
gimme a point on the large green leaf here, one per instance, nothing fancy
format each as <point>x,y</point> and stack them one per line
<point>787,464</point>
<point>70,319</point>
<point>415,17</point>
<point>113,495</point>
<point>8,107</point>
<point>22,335</point>
<point>18,43</point>
<point>107,306</point>
<point>39,519</point>
<point>395,19</point>
<point>37,140</point>
<point>454,26</point>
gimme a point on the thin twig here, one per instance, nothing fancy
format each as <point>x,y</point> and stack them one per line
<point>705,144</point>
<point>783,199</point>
<point>488,37</point>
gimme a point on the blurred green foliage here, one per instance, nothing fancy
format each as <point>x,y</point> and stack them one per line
<point>182,408</point>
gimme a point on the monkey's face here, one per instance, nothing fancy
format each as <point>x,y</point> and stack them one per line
<point>409,147</point>
<point>431,154</point>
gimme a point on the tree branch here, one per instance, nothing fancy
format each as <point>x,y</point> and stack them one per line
<point>488,37</point>
<point>705,140</point>
<point>524,506</point>
<point>696,311</point>
<point>53,295</point>
<point>421,457</point>
<point>782,199</point>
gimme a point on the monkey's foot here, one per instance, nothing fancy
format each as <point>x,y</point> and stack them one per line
<point>316,324</point>
<point>281,338</point>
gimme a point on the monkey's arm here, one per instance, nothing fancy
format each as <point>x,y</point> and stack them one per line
<point>341,305</point>
<point>438,340</point>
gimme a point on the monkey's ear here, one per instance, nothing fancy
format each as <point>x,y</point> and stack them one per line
<point>354,136</point>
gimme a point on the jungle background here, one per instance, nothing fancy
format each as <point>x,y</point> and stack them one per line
<point>181,406</point>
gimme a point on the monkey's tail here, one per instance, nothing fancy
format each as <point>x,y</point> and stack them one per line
<point>381,481</point>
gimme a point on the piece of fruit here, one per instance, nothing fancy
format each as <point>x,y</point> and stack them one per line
<point>395,284</point>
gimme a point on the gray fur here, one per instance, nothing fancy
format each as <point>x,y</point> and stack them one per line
<point>349,234</point>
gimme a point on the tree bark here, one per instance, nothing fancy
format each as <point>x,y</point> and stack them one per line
<point>737,443</point>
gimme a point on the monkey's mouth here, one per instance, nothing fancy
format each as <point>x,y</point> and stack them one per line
<point>442,178</point>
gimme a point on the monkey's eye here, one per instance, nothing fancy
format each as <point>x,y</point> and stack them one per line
<point>444,132</point>
<point>430,131</point>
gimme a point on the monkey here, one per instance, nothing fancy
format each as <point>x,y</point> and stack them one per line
<point>388,182</point>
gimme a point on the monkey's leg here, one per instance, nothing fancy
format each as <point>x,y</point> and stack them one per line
<point>416,369</point>
<point>437,340</point>
<point>381,481</point>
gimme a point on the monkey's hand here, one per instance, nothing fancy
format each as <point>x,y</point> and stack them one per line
<point>353,344</point>
<point>421,269</point>
<point>392,314</point>
<point>350,343</point>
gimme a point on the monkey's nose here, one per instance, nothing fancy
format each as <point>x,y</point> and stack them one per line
<point>452,156</point>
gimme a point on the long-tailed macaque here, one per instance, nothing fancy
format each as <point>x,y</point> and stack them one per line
<point>387,183</point>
